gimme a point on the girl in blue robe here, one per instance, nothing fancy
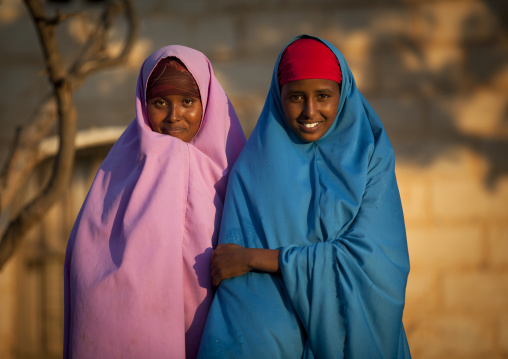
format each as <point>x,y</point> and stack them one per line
<point>312,259</point>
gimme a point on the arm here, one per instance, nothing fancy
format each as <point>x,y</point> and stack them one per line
<point>353,284</point>
<point>231,260</point>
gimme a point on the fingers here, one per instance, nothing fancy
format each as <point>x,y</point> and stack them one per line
<point>216,277</point>
<point>227,261</point>
<point>215,274</point>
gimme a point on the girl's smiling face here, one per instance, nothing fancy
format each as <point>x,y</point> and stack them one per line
<point>310,107</point>
<point>175,115</point>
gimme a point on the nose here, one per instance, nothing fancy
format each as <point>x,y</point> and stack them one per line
<point>309,108</point>
<point>173,114</point>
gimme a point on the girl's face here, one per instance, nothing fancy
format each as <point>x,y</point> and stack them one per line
<point>175,115</point>
<point>310,107</point>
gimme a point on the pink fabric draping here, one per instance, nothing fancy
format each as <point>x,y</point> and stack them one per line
<point>137,266</point>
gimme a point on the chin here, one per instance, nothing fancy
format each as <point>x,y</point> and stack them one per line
<point>309,138</point>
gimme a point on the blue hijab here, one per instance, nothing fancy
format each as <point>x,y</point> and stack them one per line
<point>333,209</point>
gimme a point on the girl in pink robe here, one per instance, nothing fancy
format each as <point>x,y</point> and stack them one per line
<point>137,266</point>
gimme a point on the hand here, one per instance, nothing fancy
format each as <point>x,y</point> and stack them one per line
<point>229,260</point>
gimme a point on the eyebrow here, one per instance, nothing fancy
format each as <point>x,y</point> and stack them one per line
<point>324,90</point>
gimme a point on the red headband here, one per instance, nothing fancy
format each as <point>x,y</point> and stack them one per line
<point>170,77</point>
<point>308,59</point>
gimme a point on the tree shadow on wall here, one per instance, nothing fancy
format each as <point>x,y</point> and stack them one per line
<point>463,105</point>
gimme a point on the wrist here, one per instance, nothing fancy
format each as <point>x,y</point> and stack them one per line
<point>264,260</point>
<point>251,256</point>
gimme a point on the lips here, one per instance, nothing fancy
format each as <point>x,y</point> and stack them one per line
<point>170,130</point>
<point>309,127</point>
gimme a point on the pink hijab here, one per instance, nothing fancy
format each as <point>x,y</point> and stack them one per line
<point>137,266</point>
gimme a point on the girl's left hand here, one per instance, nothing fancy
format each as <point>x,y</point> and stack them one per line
<point>229,260</point>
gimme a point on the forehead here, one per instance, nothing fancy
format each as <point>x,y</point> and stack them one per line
<point>311,85</point>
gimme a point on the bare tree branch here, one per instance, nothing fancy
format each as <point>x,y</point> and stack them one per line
<point>62,170</point>
<point>97,59</point>
<point>12,157</point>
<point>59,18</point>
<point>22,157</point>
<point>58,105</point>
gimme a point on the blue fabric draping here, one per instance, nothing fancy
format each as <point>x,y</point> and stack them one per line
<point>333,208</point>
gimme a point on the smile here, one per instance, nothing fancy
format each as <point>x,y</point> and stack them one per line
<point>172,130</point>
<point>309,127</point>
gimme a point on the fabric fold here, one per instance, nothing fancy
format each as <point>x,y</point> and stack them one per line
<point>332,206</point>
<point>137,266</point>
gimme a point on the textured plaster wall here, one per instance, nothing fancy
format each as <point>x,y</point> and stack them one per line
<point>436,72</point>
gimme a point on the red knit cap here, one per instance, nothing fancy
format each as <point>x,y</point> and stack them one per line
<point>308,59</point>
<point>171,77</point>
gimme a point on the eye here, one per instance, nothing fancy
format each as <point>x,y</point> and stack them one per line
<point>296,98</point>
<point>187,102</point>
<point>159,103</point>
<point>323,96</point>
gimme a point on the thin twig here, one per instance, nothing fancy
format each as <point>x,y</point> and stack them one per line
<point>63,82</point>
<point>62,169</point>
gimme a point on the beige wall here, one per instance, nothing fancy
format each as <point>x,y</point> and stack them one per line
<point>435,71</point>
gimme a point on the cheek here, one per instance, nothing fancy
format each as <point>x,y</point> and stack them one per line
<point>333,112</point>
<point>290,112</point>
<point>331,109</point>
<point>194,116</point>
<point>286,108</point>
<point>152,117</point>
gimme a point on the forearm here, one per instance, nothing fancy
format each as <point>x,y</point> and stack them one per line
<point>264,260</point>
<point>231,260</point>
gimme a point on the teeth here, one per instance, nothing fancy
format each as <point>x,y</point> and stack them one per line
<point>310,125</point>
